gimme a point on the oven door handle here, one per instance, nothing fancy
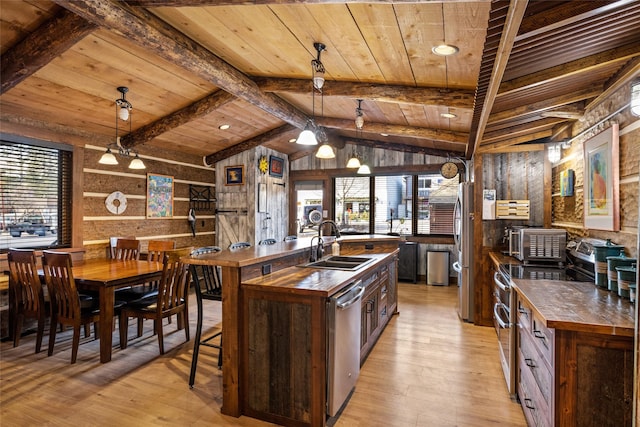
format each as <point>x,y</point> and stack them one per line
<point>496,278</point>
<point>496,315</point>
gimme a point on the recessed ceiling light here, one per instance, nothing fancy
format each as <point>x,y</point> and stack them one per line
<point>384,134</point>
<point>224,127</point>
<point>444,50</point>
<point>448,115</point>
<point>292,140</point>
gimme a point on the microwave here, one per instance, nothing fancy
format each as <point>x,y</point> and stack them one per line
<point>537,244</point>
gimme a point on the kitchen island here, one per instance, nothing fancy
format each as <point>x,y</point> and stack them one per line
<point>267,262</point>
<point>574,354</point>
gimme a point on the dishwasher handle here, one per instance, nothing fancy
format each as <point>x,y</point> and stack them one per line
<point>341,303</point>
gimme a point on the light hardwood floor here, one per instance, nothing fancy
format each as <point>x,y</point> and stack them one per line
<point>428,369</point>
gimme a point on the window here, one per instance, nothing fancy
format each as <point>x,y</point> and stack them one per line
<point>386,204</point>
<point>35,195</point>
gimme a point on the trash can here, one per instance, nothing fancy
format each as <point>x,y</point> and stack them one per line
<point>438,268</point>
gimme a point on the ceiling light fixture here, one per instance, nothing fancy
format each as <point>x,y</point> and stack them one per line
<point>353,162</point>
<point>444,50</point>
<point>318,68</point>
<point>554,153</point>
<point>448,115</point>
<point>224,127</point>
<point>123,109</point>
<point>359,116</point>
<point>325,151</point>
<point>634,106</point>
<point>364,170</point>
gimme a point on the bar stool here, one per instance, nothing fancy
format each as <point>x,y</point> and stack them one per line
<point>207,281</point>
<point>267,242</point>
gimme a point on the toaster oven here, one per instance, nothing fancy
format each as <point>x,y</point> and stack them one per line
<point>531,245</point>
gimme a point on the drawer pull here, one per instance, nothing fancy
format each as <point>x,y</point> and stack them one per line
<point>529,363</point>
<point>529,404</point>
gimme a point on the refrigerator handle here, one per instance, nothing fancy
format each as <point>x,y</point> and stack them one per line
<point>456,267</point>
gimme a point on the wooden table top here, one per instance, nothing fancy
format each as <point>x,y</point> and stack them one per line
<point>106,272</point>
<point>578,306</point>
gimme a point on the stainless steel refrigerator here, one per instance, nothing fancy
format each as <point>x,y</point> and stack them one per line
<point>463,237</point>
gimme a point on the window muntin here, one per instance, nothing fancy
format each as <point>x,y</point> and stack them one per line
<point>35,196</point>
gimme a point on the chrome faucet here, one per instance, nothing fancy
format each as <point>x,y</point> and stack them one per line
<point>318,252</point>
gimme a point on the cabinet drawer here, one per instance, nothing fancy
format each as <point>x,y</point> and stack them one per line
<point>543,339</point>
<point>530,360</point>
<point>533,405</point>
<point>524,314</point>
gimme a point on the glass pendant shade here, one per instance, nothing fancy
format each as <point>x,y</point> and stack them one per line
<point>307,136</point>
<point>325,152</point>
<point>635,98</point>
<point>137,163</point>
<point>123,113</point>
<point>359,122</point>
<point>353,163</point>
<point>108,158</point>
<point>554,153</point>
<point>318,80</point>
<point>364,170</point>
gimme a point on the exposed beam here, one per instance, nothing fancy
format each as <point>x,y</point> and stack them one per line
<point>156,36</point>
<point>39,48</point>
<point>398,130</point>
<point>189,113</point>
<point>523,148</point>
<point>523,139</point>
<point>526,129</point>
<point>458,98</point>
<point>509,32</point>
<point>386,145</point>
<point>191,3</point>
<point>285,131</point>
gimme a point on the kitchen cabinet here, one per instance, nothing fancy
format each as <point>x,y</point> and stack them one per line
<point>574,354</point>
<point>379,302</point>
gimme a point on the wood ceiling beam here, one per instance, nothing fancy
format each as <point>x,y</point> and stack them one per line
<point>50,40</point>
<point>509,31</point>
<point>513,149</point>
<point>191,3</point>
<point>583,65</point>
<point>523,139</point>
<point>285,131</point>
<point>458,98</point>
<point>398,130</point>
<point>526,130</point>
<point>189,113</point>
<point>387,145</point>
<point>156,36</point>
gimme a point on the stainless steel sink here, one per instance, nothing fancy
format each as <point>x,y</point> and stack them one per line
<point>348,263</point>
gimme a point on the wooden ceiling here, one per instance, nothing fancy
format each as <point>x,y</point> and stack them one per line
<point>525,71</point>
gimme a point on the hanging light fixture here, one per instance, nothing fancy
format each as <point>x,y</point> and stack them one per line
<point>634,106</point>
<point>364,170</point>
<point>123,110</point>
<point>353,162</point>
<point>307,136</point>
<point>318,68</point>
<point>359,116</point>
<point>554,153</point>
<point>325,151</point>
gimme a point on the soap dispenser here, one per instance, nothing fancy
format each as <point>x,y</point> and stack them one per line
<point>335,248</point>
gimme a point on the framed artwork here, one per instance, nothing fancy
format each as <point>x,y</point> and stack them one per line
<point>276,166</point>
<point>567,178</point>
<point>602,181</point>
<point>234,175</point>
<point>159,196</point>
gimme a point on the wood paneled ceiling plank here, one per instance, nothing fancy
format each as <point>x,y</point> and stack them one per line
<point>190,3</point>
<point>629,72</point>
<point>459,98</point>
<point>282,132</point>
<point>148,31</point>
<point>35,51</point>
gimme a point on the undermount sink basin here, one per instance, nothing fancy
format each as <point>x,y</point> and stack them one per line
<point>339,263</point>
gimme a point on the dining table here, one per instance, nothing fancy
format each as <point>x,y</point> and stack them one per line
<point>104,276</point>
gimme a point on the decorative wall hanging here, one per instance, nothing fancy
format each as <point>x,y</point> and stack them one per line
<point>567,178</point>
<point>276,166</point>
<point>200,197</point>
<point>263,164</point>
<point>159,196</point>
<point>234,175</point>
<point>116,202</point>
<point>602,181</point>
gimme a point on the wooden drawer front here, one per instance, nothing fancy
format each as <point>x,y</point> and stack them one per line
<point>524,314</point>
<point>533,405</point>
<point>530,360</point>
<point>543,339</point>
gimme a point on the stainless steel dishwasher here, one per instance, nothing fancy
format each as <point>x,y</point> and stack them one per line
<point>343,355</point>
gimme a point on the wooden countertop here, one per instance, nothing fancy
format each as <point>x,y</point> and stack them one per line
<point>263,253</point>
<point>313,281</point>
<point>578,306</point>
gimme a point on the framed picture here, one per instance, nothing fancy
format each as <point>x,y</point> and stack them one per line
<point>234,175</point>
<point>602,181</point>
<point>567,178</point>
<point>159,196</point>
<point>276,166</point>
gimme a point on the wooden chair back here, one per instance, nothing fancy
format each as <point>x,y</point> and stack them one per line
<point>173,286</point>
<point>26,295</point>
<point>113,241</point>
<point>157,249</point>
<point>206,278</point>
<point>127,249</point>
<point>239,245</point>
<point>267,242</point>
<point>290,238</point>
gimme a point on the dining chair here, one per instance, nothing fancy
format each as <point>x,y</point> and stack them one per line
<point>267,242</point>
<point>127,249</point>
<point>67,308</point>
<point>208,285</point>
<point>290,238</point>
<point>172,298</point>
<point>26,294</point>
<point>239,245</point>
<point>112,245</point>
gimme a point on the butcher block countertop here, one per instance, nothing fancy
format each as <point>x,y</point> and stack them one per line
<point>314,281</point>
<point>578,306</point>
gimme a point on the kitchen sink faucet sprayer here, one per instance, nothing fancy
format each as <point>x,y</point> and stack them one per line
<point>319,252</point>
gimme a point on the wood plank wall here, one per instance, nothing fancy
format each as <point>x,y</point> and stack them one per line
<point>99,224</point>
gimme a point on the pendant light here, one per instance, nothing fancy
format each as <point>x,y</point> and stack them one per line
<point>634,106</point>
<point>353,162</point>
<point>364,170</point>
<point>359,116</point>
<point>318,67</point>
<point>308,135</point>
